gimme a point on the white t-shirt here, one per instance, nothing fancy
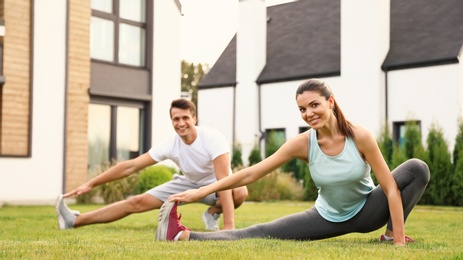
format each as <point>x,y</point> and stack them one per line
<point>194,160</point>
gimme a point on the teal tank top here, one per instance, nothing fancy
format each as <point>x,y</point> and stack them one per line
<point>343,181</point>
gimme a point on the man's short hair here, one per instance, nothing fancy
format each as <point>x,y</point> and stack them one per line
<point>183,103</point>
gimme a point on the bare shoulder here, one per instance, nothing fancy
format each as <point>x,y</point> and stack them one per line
<point>298,146</point>
<point>364,138</point>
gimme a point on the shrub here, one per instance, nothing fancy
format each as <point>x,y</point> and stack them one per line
<point>440,165</point>
<point>275,186</point>
<point>236,156</point>
<point>153,176</point>
<point>116,190</point>
<point>457,177</point>
<point>87,198</point>
<point>255,155</point>
<point>413,146</point>
<point>386,146</point>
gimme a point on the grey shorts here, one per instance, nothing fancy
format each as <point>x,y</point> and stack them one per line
<point>180,184</point>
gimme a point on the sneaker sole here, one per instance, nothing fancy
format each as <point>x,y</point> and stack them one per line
<point>61,223</point>
<point>163,220</point>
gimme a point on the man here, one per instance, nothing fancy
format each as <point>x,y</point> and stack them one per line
<point>202,154</point>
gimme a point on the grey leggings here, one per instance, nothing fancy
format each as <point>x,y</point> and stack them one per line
<point>412,178</point>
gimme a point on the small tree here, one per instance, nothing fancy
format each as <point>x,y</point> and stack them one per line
<point>440,165</point>
<point>237,160</point>
<point>456,187</point>
<point>457,176</point>
<point>273,143</point>
<point>310,190</point>
<point>192,75</point>
<point>398,156</point>
<point>255,155</point>
<point>413,145</point>
<point>386,145</point>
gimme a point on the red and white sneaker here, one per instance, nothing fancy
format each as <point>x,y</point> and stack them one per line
<point>168,222</point>
<point>383,238</point>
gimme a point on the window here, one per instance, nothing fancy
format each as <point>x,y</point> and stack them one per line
<point>118,31</point>
<point>302,129</point>
<point>399,129</point>
<point>274,138</point>
<point>114,133</point>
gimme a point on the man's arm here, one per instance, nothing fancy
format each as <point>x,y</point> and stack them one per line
<point>222,170</point>
<point>118,171</point>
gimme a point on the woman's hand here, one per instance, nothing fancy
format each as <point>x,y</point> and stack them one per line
<point>82,189</point>
<point>186,196</point>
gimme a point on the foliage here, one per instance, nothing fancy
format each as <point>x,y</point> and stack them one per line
<point>276,185</point>
<point>386,145</point>
<point>273,143</point>
<point>88,197</point>
<point>116,190</point>
<point>440,165</point>
<point>456,189</point>
<point>413,146</point>
<point>310,190</point>
<point>255,155</point>
<point>236,156</point>
<point>191,77</point>
<point>109,192</point>
<point>398,156</point>
<point>153,176</point>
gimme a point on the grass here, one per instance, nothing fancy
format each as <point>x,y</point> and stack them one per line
<point>32,233</point>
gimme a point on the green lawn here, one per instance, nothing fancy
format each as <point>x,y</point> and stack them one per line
<point>32,233</point>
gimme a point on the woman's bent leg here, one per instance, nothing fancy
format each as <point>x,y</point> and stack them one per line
<point>412,178</point>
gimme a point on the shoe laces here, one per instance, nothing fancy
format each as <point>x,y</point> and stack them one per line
<point>178,224</point>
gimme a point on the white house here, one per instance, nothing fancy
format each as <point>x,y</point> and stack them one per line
<point>81,81</point>
<point>386,61</point>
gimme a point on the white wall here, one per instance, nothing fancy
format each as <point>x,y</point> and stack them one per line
<point>430,94</point>
<point>279,108</point>
<point>215,109</point>
<point>364,46</point>
<point>166,66</point>
<point>39,179</point>
<point>250,61</point>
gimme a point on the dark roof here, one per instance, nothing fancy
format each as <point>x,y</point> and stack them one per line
<point>223,73</point>
<point>303,40</point>
<point>424,32</point>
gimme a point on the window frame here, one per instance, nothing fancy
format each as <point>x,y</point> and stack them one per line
<point>114,104</point>
<point>397,134</point>
<point>117,20</point>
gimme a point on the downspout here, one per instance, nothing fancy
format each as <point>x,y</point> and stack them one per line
<point>234,115</point>
<point>259,114</point>
<point>386,97</point>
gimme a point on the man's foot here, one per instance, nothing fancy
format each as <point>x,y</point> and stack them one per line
<point>66,217</point>
<point>384,238</point>
<point>168,222</point>
<point>211,221</point>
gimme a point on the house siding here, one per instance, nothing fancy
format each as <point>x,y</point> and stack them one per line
<point>15,111</point>
<point>78,99</point>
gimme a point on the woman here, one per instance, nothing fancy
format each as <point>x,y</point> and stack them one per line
<point>340,156</point>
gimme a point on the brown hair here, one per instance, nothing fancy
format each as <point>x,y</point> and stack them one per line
<point>323,89</point>
<point>183,103</point>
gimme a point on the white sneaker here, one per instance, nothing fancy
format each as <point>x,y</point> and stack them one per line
<point>66,217</point>
<point>211,221</point>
